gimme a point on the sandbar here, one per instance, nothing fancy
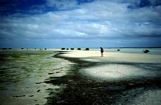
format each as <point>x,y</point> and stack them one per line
<point>113,57</point>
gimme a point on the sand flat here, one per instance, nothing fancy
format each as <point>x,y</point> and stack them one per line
<point>122,70</point>
<point>114,57</point>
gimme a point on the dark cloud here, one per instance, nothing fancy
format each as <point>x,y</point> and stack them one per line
<point>111,22</point>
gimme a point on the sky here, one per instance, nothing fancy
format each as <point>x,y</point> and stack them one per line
<point>80,23</point>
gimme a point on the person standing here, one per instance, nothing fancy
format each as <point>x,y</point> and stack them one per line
<point>101,49</point>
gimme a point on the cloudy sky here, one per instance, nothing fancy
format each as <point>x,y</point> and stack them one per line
<point>80,23</point>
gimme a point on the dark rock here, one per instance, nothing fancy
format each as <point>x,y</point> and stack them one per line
<point>4,48</point>
<point>31,95</point>
<point>78,48</point>
<point>87,49</point>
<point>38,90</point>
<point>145,51</point>
<point>19,96</point>
<point>50,73</point>
<point>62,48</point>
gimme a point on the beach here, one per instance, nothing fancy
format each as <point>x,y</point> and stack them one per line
<point>80,77</point>
<point>114,57</point>
<point>114,79</point>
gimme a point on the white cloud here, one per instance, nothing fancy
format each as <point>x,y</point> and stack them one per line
<point>99,20</point>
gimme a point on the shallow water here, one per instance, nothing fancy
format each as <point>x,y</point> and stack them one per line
<point>23,75</point>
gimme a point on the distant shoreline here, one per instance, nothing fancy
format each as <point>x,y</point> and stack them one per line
<point>9,48</point>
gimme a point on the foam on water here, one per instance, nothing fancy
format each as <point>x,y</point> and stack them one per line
<point>114,72</point>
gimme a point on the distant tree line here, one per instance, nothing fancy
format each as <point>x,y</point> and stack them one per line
<point>22,48</point>
<point>73,48</point>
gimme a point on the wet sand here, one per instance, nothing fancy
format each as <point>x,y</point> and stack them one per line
<point>80,77</point>
<point>115,79</point>
<point>23,75</point>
